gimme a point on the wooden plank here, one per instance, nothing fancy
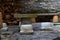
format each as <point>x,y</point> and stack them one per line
<point>24,15</point>
<point>1,20</point>
<point>33,15</point>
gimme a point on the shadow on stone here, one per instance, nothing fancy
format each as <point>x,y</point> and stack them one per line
<point>58,38</point>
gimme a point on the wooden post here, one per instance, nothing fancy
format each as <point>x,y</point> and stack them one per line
<point>55,18</point>
<point>1,20</point>
<point>33,20</point>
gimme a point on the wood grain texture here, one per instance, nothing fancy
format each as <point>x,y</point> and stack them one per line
<point>1,20</point>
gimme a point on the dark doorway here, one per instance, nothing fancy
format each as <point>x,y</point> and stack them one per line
<point>44,18</point>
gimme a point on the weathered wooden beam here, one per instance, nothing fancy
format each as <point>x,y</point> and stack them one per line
<point>1,21</point>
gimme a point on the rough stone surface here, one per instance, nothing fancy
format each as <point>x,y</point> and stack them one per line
<point>37,35</point>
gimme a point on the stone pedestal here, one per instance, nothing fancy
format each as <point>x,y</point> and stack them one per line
<point>55,18</point>
<point>1,20</point>
<point>33,20</point>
